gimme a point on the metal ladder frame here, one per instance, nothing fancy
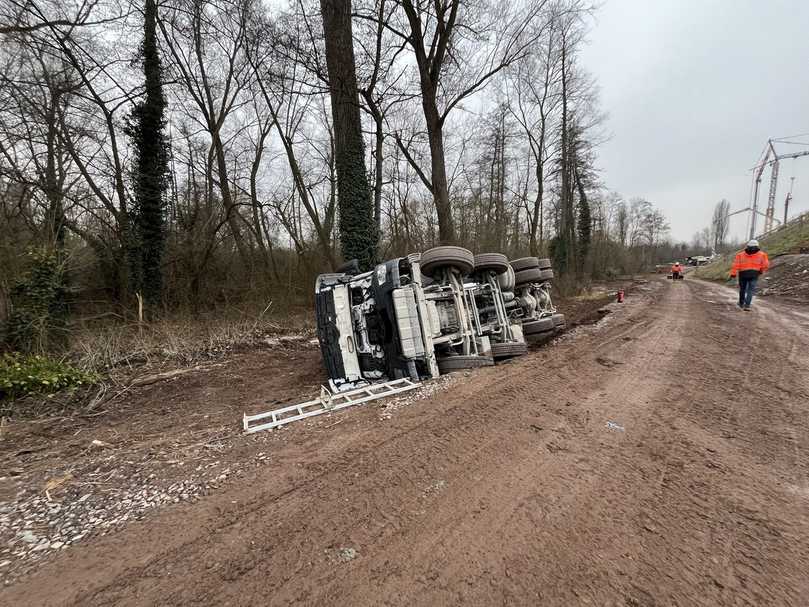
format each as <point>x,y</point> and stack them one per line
<point>326,403</point>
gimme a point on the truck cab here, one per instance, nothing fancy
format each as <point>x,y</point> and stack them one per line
<point>375,325</point>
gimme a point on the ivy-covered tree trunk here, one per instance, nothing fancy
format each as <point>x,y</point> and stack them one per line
<point>146,128</point>
<point>584,224</point>
<point>359,236</point>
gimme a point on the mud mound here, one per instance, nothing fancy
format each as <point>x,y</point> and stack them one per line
<point>788,278</point>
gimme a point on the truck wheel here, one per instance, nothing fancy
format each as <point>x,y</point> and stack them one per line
<point>546,274</point>
<point>528,275</point>
<point>437,258</point>
<point>538,326</point>
<point>506,280</point>
<point>544,263</point>
<point>493,262</point>
<point>448,364</point>
<point>523,263</point>
<point>559,320</point>
<point>509,349</point>
<point>537,339</point>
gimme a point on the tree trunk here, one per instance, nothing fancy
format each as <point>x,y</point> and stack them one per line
<point>585,223</point>
<point>567,220</point>
<point>227,199</point>
<point>258,224</point>
<point>378,168</point>
<point>537,218</point>
<point>55,215</point>
<point>358,235</point>
<point>443,207</point>
<point>151,166</point>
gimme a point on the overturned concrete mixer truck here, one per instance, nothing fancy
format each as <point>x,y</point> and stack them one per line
<point>428,314</point>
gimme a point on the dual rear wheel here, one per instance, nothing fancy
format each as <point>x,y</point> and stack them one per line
<point>529,270</point>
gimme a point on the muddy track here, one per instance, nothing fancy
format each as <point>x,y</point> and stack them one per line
<point>512,488</point>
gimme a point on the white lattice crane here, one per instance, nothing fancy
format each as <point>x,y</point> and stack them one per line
<point>772,159</point>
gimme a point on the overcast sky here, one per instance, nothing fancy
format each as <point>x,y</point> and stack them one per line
<point>693,90</point>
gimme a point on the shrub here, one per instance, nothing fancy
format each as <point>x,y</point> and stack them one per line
<point>38,313</point>
<point>21,375</point>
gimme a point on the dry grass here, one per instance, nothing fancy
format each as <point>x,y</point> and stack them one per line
<point>180,340</point>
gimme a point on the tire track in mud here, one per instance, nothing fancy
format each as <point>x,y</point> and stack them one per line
<point>716,431</point>
<point>506,478</point>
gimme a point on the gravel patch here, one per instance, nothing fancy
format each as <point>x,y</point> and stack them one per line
<point>430,388</point>
<point>73,507</point>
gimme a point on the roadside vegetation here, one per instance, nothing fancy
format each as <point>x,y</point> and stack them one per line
<point>21,375</point>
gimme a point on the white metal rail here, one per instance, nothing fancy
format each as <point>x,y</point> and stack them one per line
<point>327,402</point>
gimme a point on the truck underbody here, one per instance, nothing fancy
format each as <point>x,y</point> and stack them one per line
<point>419,316</point>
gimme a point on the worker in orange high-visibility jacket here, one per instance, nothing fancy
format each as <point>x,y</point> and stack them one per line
<point>676,270</point>
<point>748,265</point>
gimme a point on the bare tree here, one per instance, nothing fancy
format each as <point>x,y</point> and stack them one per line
<point>577,117</point>
<point>720,223</point>
<point>205,40</point>
<point>439,33</point>
<point>382,81</point>
<point>92,135</point>
<point>34,87</point>
<point>534,103</point>
<point>30,16</point>
<point>282,80</point>
<point>622,222</point>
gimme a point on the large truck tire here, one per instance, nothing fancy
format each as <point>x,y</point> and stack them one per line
<point>523,263</point>
<point>491,262</point>
<point>538,326</point>
<point>543,337</point>
<point>527,276</point>
<point>450,364</point>
<point>509,349</point>
<point>507,280</point>
<point>435,259</point>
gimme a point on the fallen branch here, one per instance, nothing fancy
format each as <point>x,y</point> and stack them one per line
<point>153,379</point>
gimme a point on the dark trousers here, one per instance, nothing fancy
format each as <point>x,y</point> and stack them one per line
<point>747,287</point>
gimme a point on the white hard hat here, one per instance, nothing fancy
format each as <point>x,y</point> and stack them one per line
<point>753,243</point>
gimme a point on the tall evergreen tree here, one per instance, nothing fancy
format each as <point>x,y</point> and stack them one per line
<point>146,128</point>
<point>359,236</point>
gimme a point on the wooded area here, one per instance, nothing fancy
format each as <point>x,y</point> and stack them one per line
<point>188,155</point>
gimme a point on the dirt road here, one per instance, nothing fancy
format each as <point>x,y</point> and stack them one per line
<point>660,458</point>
